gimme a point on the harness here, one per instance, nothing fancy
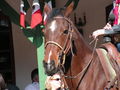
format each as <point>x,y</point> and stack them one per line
<point>66,47</point>
<point>64,50</point>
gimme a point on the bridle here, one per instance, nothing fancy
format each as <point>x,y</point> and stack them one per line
<point>67,46</point>
<point>64,49</point>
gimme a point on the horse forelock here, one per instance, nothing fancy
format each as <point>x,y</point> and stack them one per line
<point>55,12</point>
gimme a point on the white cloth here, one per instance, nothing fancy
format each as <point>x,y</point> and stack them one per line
<point>33,86</point>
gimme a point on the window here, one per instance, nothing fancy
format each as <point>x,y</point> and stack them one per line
<point>6,50</point>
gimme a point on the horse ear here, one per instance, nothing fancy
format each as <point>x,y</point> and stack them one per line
<point>47,10</point>
<point>69,9</point>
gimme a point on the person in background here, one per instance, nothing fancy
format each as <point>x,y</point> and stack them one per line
<point>11,87</point>
<point>112,28</point>
<point>35,81</point>
<point>6,86</point>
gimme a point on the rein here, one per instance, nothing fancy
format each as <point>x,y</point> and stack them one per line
<point>84,71</point>
<point>55,43</point>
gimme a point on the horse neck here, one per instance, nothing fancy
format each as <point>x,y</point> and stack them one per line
<point>84,52</point>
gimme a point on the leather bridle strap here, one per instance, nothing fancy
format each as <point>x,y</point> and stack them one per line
<point>55,43</point>
<point>62,50</point>
<point>66,47</point>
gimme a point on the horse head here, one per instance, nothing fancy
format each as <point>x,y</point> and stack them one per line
<point>58,34</point>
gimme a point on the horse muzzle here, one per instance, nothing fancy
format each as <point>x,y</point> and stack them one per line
<point>50,68</point>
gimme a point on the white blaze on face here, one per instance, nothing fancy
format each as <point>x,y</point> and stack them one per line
<point>53,26</point>
<point>45,17</point>
<point>49,56</point>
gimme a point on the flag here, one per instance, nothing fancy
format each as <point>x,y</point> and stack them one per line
<point>116,10</point>
<point>117,1</point>
<point>36,14</point>
<point>49,2</point>
<point>24,6</point>
<point>22,14</point>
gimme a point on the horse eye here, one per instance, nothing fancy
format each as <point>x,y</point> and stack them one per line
<point>57,79</point>
<point>65,32</point>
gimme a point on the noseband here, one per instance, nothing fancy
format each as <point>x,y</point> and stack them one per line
<point>66,47</point>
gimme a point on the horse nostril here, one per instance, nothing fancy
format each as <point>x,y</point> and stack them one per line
<point>50,68</point>
<point>51,65</point>
<point>52,62</point>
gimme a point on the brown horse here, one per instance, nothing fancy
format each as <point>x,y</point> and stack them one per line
<point>67,51</point>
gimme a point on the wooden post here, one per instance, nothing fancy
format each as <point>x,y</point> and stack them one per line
<point>40,55</point>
